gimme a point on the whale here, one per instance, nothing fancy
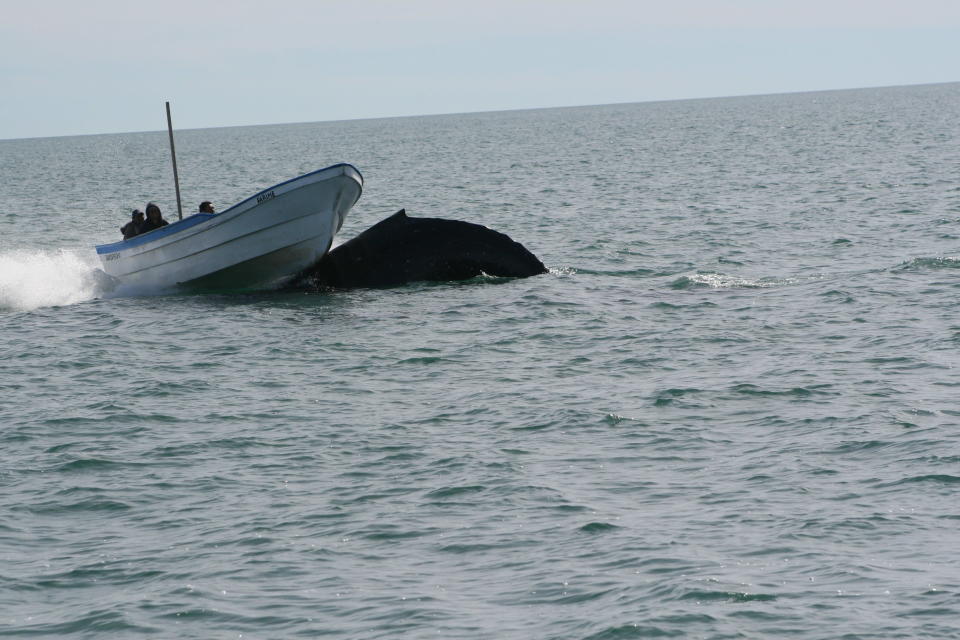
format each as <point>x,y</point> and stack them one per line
<point>402,249</point>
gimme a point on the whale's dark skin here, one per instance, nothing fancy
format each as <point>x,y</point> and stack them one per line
<point>401,249</point>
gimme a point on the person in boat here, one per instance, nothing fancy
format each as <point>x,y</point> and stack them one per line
<point>154,219</point>
<point>135,226</point>
<point>206,207</point>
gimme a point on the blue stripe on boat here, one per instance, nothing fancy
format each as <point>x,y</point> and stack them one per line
<point>156,234</point>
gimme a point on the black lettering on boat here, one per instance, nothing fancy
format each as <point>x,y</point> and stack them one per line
<point>263,197</point>
<point>112,256</point>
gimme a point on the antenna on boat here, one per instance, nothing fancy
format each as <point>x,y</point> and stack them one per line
<point>173,155</point>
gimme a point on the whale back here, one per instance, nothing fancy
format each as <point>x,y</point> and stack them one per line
<point>401,249</point>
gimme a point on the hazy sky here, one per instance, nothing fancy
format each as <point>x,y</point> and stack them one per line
<point>75,67</point>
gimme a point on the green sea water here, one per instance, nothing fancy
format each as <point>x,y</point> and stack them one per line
<point>729,410</point>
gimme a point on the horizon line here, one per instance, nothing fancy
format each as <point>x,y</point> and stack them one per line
<point>462,113</point>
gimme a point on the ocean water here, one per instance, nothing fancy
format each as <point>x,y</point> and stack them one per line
<point>729,410</point>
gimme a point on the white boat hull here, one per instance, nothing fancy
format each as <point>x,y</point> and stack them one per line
<point>259,243</point>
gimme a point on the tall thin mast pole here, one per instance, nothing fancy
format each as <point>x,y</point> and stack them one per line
<point>173,155</point>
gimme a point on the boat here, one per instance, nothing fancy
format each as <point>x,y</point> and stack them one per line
<point>258,243</point>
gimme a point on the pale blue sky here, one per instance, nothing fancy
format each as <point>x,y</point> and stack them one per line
<point>102,66</point>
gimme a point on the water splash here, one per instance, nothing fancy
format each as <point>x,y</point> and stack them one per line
<point>30,279</point>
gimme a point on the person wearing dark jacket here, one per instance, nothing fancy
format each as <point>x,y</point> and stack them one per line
<point>154,219</point>
<point>135,226</point>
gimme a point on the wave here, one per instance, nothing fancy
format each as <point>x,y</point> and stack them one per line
<point>918,264</point>
<point>721,281</point>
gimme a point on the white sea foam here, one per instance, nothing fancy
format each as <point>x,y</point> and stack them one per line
<point>721,281</point>
<point>30,279</point>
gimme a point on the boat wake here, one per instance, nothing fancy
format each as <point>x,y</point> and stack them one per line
<point>30,279</point>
